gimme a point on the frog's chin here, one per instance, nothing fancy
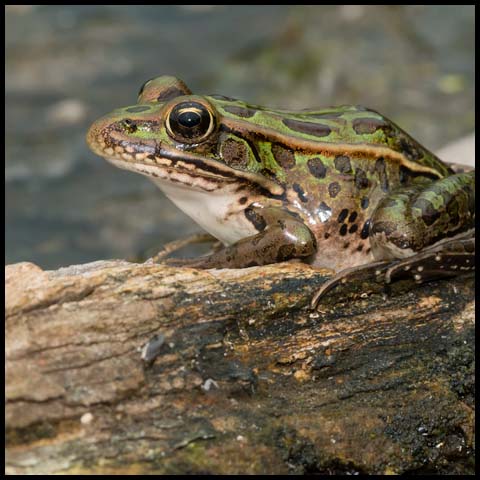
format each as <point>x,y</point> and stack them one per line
<point>165,174</point>
<point>214,202</point>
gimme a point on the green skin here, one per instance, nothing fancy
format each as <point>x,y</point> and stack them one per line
<point>342,188</point>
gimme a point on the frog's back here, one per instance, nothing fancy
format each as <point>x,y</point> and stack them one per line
<point>355,129</point>
<point>361,125</point>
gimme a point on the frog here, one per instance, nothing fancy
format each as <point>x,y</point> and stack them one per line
<point>342,188</point>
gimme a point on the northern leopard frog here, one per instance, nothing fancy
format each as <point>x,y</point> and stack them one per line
<point>342,188</point>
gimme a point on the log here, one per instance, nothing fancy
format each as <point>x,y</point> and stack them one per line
<point>122,368</point>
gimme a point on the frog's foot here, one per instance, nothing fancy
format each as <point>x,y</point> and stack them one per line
<point>453,258</point>
<point>355,274</point>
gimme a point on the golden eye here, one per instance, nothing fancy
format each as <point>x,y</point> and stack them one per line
<point>190,122</point>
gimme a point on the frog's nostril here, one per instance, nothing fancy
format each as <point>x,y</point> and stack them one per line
<point>129,125</point>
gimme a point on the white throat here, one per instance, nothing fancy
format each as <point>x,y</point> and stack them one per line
<point>214,211</point>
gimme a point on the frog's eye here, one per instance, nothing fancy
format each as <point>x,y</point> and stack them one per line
<point>190,122</point>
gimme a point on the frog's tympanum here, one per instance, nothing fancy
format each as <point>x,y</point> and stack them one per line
<point>342,187</point>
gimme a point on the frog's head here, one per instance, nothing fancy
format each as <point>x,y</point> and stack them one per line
<point>187,140</point>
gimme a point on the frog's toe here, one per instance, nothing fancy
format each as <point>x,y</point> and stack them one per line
<point>369,271</point>
<point>431,265</point>
<point>326,287</point>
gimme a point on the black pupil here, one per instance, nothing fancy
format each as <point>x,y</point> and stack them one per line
<point>190,122</point>
<point>189,119</point>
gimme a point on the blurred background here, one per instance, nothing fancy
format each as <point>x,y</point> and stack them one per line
<point>68,65</point>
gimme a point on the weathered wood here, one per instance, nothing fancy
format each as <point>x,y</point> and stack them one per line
<point>246,378</point>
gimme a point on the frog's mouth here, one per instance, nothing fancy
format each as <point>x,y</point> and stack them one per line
<point>194,173</point>
<point>167,164</point>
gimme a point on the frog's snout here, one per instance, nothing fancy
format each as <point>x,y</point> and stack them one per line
<point>96,135</point>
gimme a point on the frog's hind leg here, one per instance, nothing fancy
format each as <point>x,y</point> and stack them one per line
<point>425,230</point>
<point>449,259</point>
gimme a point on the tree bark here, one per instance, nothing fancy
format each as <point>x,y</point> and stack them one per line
<point>115,367</point>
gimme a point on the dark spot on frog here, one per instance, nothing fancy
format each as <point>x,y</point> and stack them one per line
<point>308,128</point>
<point>367,125</point>
<point>285,252</point>
<point>283,156</point>
<point>342,164</point>
<point>243,200</point>
<point>385,227</point>
<point>352,217</point>
<point>253,263</point>
<point>353,228</point>
<point>365,230</point>
<point>243,112</point>
<point>316,167</point>
<point>343,215</point>
<point>333,189</point>
<point>346,244</point>
<point>257,220</point>
<point>382,173</point>
<point>360,247</point>
<point>404,174</point>
<point>361,180</point>
<point>300,192</point>
<point>343,230</point>
<point>409,149</point>
<point>235,153</point>
<point>170,93</point>
<point>140,108</point>
<point>326,235</point>
<point>364,203</point>
<point>282,224</point>
<point>367,251</point>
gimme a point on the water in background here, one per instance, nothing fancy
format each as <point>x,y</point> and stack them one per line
<point>67,65</point>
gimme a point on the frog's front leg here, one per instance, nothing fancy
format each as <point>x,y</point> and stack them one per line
<point>426,231</point>
<point>281,236</point>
